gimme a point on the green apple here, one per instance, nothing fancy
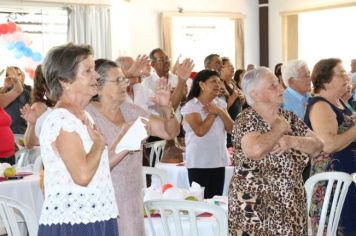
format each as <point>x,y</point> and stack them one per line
<point>191,198</point>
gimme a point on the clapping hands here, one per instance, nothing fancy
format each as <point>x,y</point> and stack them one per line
<point>163,93</point>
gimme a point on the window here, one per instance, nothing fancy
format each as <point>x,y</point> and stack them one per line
<point>41,30</point>
<point>327,33</point>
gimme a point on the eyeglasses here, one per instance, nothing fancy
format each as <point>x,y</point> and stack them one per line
<point>120,81</point>
<point>342,74</point>
<point>163,60</point>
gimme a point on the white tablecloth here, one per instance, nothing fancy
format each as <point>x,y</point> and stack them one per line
<point>206,225</point>
<point>178,176</point>
<point>26,191</point>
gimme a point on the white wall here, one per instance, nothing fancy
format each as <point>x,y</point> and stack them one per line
<point>275,20</point>
<point>136,23</point>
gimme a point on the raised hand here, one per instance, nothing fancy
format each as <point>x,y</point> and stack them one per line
<point>29,114</point>
<point>94,134</point>
<point>184,69</point>
<point>163,93</point>
<point>136,69</point>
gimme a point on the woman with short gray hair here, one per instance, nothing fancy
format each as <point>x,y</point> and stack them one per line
<point>79,196</point>
<point>271,149</point>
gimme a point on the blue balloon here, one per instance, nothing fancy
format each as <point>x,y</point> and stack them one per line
<point>10,46</point>
<point>20,45</point>
<point>18,54</point>
<point>37,56</point>
<point>27,52</point>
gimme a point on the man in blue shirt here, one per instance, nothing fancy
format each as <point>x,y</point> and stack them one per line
<point>296,76</point>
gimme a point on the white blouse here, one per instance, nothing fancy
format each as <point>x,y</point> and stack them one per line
<point>65,201</point>
<point>208,151</point>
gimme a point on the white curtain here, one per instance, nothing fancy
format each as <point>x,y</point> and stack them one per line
<point>91,25</point>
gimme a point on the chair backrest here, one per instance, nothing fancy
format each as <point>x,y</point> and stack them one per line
<point>336,190</point>
<point>17,138</point>
<point>180,211</point>
<point>156,153</point>
<point>8,215</point>
<point>154,172</point>
<point>37,165</point>
<point>22,156</point>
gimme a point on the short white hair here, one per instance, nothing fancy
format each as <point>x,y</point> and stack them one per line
<point>290,70</point>
<point>251,80</point>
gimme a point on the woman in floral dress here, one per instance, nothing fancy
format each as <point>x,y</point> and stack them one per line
<point>329,117</point>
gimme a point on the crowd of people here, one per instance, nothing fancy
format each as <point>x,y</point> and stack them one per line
<point>283,127</point>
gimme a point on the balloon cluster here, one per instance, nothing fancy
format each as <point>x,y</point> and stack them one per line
<point>20,43</point>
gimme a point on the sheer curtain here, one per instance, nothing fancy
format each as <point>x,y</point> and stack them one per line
<point>290,37</point>
<point>239,41</point>
<point>166,34</point>
<point>91,25</point>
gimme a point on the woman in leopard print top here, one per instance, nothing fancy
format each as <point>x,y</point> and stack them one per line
<point>271,149</point>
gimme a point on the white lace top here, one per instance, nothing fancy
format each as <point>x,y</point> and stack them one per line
<point>65,201</point>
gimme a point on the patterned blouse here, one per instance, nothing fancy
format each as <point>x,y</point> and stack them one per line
<point>267,197</point>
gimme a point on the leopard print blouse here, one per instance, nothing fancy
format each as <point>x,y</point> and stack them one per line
<point>267,197</point>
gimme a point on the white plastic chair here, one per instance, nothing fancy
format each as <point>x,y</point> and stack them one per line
<point>176,209</point>
<point>337,183</point>
<point>17,138</point>
<point>37,165</point>
<point>157,149</point>
<point>9,209</point>
<point>154,172</point>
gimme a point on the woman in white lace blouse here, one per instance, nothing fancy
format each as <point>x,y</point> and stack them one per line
<point>79,196</point>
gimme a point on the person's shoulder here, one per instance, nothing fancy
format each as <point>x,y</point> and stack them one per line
<point>39,107</point>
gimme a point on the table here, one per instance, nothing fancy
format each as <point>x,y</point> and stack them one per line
<point>178,176</point>
<point>26,191</point>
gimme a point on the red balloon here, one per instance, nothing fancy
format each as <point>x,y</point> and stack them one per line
<point>31,74</point>
<point>165,187</point>
<point>11,27</point>
<point>2,28</point>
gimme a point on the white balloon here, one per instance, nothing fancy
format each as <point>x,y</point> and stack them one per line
<point>173,193</point>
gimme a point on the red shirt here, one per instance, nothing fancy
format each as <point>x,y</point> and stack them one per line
<point>7,141</point>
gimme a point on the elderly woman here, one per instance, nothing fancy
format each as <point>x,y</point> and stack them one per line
<point>7,144</point>
<point>206,122</point>
<point>328,116</point>
<point>271,149</point>
<point>79,196</point>
<point>111,112</point>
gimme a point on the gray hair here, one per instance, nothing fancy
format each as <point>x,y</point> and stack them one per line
<point>251,81</point>
<point>209,59</point>
<point>123,62</point>
<point>290,70</point>
<point>101,67</point>
<point>61,64</point>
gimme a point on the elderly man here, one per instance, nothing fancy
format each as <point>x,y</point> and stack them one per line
<point>137,93</point>
<point>296,76</point>
<point>161,64</point>
<point>213,62</point>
